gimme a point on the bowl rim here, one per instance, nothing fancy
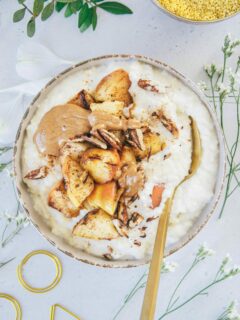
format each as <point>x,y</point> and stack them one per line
<point>191,21</point>
<point>219,184</point>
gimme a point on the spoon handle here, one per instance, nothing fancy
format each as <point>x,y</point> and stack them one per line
<point>150,297</point>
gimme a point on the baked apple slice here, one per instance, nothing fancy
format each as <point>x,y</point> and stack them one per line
<point>101,164</point>
<point>58,199</point>
<point>154,143</point>
<point>96,225</point>
<point>112,107</point>
<point>104,196</point>
<point>114,87</point>
<point>78,182</point>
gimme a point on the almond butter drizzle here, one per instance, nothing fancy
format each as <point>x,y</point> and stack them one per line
<point>107,121</point>
<point>59,124</point>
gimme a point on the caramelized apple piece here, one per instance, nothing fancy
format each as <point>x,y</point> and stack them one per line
<point>153,144</point>
<point>127,156</point>
<point>78,182</point>
<point>59,200</point>
<point>97,225</point>
<point>104,196</point>
<point>101,164</point>
<point>114,87</point>
<point>112,107</point>
<point>73,148</point>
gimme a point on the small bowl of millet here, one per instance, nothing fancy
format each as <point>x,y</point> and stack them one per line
<point>200,11</point>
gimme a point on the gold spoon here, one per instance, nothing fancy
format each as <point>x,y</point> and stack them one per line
<point>150,297</point>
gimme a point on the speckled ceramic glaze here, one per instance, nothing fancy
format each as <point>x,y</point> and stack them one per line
<point>39,222</point>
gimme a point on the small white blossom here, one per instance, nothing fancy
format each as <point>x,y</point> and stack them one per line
<point>229,45</point>
<point>9,172</point>
<point>219,70</point>
<point>223,89</point>
<point>204,251</point>
<point>202,85</point>
<point>231,313</point>
<point>210,69</point>
<point>168,266</point>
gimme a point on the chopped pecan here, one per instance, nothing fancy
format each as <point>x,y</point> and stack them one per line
<point>143,232</point>
<point>83,99</point>
<point>151,219</point>
<point>107,121</point>
<point>108,256</point>
<point>167,123</point>
<point>135,138</point>
<point>36,174</point>
<point>147,85</point>
<point>137,243</point>
<point>166,156</point>
<point>97,142</point>
<point>135,220</point>
<point>122,213</point>
<point>121,228</point>
<point>110,138</point>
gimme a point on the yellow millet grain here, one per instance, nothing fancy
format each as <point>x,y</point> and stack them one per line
<point>200,10</point>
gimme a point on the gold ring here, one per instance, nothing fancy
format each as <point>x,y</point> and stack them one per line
<point>52,285</point>
<point>15,304</point>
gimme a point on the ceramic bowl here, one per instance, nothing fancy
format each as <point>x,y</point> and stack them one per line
<point>173,15</point>
<point>39,222</point>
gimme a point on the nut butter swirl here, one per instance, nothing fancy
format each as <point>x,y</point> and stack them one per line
<point>59,124</point>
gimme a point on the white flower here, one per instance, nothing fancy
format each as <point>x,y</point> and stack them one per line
<point>9,171</point>
<point>202,85</point>
<point>231,313</point>
<point>20,218</point>
<point>219,70</point>
<point>168,266</point>
<point>205,251</point>
<point>223,89</point>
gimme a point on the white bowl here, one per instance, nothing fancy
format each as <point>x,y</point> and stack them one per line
<point>38,221</point>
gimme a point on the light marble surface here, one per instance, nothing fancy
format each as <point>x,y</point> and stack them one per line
<point>91,292</point>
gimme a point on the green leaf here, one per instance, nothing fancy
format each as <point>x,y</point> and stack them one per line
<point>59,6</point>
<point>88,20</point>
<point>38,7</point>
<point>94,18</point>
<point>68,11</point>
<point>47,11</point>
<point>83,14</point>
<point>19,15</point>
<point>76,6</point>
<point>21,1</point>
<point>66,1</point>
<point>96,1</point>
<point>115,7</point>
<point>31,27</point>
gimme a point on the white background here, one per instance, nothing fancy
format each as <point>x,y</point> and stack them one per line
<point>95,293</point>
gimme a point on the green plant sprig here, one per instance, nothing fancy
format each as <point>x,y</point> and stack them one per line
<point>231,312</point>
<point>141,283</point>
<point>18,221</point>
<point>85,9</point>
<point>2,264</point>
<point>223,273</point>
<point>221,90</point>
